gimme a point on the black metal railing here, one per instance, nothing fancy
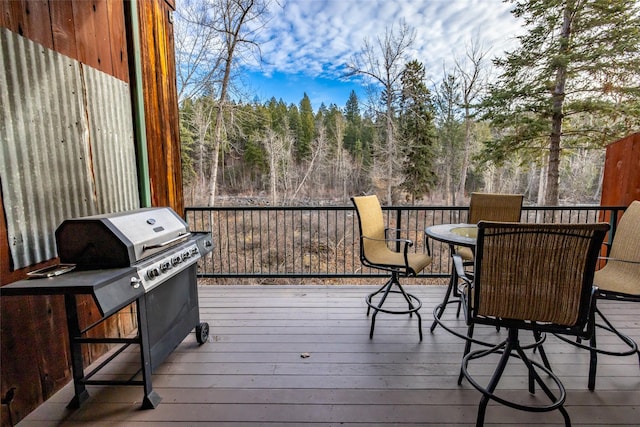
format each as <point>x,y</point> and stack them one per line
<point>323,242</point>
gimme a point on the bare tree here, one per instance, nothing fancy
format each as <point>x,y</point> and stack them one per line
<point>472,80</point>
<point>278,148</point>
<point>318,153</point>
<point>198,49</point>
<point>200,121</point>
<point>213,37</point>
<point>236,34</point>
<point>382,63</point>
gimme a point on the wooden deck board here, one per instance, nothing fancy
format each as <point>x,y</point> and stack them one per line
<point>251,373</point>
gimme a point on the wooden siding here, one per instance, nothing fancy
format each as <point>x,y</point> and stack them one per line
<point>161,104</point>
<point>92,32</point>
<point>251,372</point>
<point>621,181</point>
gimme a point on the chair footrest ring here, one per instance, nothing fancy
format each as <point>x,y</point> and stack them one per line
<point>415,301</point>
<point>630,343</point>
<point>412,301</point>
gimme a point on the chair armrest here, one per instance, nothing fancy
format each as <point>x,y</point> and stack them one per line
<point>406,230</point>
<point>401,230</point>
<point>427,245</point>
<point>407,244</point>
<point>407,241</point>
<point>459,266</point>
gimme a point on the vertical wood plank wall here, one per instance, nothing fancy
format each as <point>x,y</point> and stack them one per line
<point>621,181</point>
<point>161,103</point>
<point>33,331</point>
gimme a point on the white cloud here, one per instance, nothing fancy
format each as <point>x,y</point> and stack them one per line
<point>317,37</point>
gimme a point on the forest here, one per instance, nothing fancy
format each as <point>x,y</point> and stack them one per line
<point>534,121</point>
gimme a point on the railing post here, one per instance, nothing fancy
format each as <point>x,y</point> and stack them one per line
<point>613,225</point>
<point>398,227</point>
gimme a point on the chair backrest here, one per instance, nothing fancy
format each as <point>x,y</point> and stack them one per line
<point>536,272</point>
<point>371,223</point>
<point>494,207</point>
<point>626,242</point>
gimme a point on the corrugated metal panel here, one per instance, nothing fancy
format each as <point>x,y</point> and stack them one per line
<point>112,144</point>
<point>48,147</point>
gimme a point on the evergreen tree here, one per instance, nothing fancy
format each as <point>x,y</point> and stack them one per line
<point>278,113</point>
<point>579,58</point>
<point>352,116</point>
<point>417,132</point>
<point>307,128</point>
<point>450,133</point>
<point>295,123</point>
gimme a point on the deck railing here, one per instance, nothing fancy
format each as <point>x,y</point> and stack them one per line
<point>323,242</point>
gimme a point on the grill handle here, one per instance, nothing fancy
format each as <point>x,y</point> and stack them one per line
<point>168,242</point>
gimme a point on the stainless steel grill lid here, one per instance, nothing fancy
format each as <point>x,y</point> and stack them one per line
<point>118,239</point>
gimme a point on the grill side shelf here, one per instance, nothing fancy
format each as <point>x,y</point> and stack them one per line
<point>111,288</point>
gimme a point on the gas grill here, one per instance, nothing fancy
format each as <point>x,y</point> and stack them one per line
<point>147,257</point>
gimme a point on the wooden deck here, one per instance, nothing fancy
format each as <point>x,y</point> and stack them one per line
<point>252,372</point>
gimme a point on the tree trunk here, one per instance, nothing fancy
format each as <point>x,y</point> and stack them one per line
<point>558,96</point>
<point>232,16</point>
<point>216,156</point>
<point>390,150</point>
<point>465,155</point>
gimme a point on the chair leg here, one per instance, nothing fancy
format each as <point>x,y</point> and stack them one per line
<point>593,362</point>
<point>413,302</point>
<point>510,346</point>
<point>447,295</point>
<point>593,349</point>
<point>493,383</point>
<point>412,308</point>
<point>543,355</point>
<point>467,349</point>
<point>386,288</point>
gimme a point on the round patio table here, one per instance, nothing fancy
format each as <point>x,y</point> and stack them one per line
<point>454,234</point>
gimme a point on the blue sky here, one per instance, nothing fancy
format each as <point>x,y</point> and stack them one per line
<point>292,86</point>
<point>306,43</point>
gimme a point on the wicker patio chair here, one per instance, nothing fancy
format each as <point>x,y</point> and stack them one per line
<point>482,207</point>
<point>375,240</point>
<point>535,277</point>
<point>618,280</point>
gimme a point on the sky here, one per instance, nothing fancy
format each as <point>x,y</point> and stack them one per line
<point>306,43</point>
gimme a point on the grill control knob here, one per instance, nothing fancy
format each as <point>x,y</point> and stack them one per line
<point>165,266</point>
<point>185,255</point>
<point>153,273</point>
<point>135,282</point>
<point>176,260</point>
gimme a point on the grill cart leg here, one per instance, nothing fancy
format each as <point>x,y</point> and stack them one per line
<point>151,398</point>
<point>73,327</point>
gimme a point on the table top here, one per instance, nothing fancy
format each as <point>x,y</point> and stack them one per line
<point>454,234</point>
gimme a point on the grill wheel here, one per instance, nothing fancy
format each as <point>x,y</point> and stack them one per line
<point>202,333</point>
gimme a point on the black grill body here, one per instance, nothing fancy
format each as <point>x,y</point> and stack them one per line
<point>147,257</point>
